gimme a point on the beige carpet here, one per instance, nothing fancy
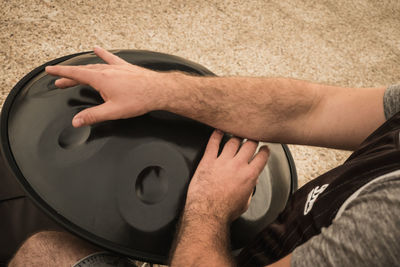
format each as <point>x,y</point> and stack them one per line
<point>347,43</point>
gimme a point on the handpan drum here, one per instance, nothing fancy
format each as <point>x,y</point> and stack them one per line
<point>121,184</point>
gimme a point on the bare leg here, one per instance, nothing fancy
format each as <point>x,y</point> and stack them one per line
<point>52,249</point>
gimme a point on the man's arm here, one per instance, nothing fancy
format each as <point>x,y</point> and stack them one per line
<point>282,110</point>
<point>268,109</point>
<point>201,241</point>
<point>204,241</point>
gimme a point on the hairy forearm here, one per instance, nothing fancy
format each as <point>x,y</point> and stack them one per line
<point>255,108</point>
<point>204,241</point>
<point>280,110</point>
<point>201,241</point>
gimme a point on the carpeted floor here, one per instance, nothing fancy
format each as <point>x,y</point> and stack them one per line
<point>347,43</point>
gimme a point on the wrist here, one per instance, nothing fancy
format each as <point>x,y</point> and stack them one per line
<point>199,213</point>
<point>172,90</point>
<point>203,230</point>
<point>201,238</point>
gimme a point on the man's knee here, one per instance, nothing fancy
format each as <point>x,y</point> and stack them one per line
<point>51,248</point>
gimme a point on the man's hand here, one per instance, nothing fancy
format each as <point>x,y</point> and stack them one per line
<point>218,193</point>
<point>222,185</point>
<point>127,90</point>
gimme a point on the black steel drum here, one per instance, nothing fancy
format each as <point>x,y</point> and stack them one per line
<point>120,184</point>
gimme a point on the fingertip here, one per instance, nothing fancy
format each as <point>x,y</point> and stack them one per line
<point>261,158</point>
<point>57,83</point>
<point>213,143</point>
<point>264,148</point>
<point>77,122</point>
<point>97,49</point>
<point>218,132</point>
<point>253,142</point>
<point>49,68</point>
<point>217,135</point>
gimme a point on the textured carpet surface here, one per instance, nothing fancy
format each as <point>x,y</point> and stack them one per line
<point>347,43</point>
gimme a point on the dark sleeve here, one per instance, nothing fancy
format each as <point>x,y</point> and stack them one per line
<point>366,234</point>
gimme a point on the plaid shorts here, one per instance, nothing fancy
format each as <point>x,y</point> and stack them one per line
<point>104,259</point>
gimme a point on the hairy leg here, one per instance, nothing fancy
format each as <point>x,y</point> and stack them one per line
<point>51,248</point>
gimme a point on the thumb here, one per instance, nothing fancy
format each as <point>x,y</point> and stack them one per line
<point>94,115</point>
